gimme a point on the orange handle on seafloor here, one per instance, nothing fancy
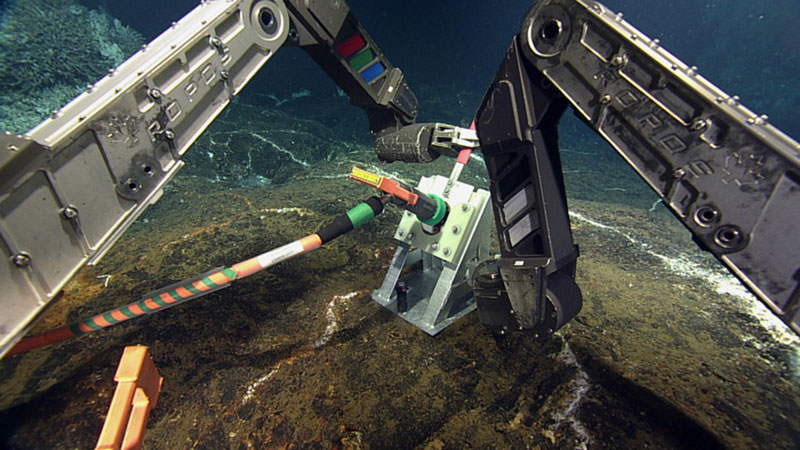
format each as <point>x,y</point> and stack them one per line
<point>137,393</point>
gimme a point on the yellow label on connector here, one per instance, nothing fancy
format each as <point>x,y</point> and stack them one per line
<point>366,177</point>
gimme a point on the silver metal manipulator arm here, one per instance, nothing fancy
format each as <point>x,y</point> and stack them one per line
<point>78,180</point>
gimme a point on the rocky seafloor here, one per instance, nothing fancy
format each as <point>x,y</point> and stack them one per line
<point>668,352</point>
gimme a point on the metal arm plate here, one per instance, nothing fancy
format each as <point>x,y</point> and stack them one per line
<point>78,180</point>
<point>729,176</point>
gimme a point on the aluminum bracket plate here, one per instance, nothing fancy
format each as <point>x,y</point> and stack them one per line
<point>437,290</point>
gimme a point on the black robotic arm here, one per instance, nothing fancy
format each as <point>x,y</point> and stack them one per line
<point>731,178</point>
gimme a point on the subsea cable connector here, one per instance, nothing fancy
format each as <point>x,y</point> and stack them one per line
<point>430,209</point>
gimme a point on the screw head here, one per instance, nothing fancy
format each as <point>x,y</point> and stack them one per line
<point>154,93</point>
<point>224,74</point>
<point>699,125</point>
<point>435,246</point>
<point>679,173</point>
<point>446,251</point>
<point>617,60</point>
<point>401,233</point>
<point>69,213</point>
<point>455,229</point>
<point>169,134</point>
<point>606,99</point>
<point>22,260</point>
<point>464,207</point>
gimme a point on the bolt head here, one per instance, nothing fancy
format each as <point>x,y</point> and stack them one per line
<point>401,233</point>
<point>70,213</point>
<point>455,230</point>
<point>464,207</point>
<point>699,125</point>
<point>155,93</point>
<point>446,251</point>
<point>22,260</point>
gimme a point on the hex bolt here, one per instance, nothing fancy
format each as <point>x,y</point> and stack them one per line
<point>435,246</point>
<point>169,134</point>
<point>224,74</point>
<point>455,229</point>
<point>410,236</point>
<point>446,251</point>
<point>216,42</point>
<point>69,213</point>
<point>679,173</point>
<point>22,260</point>
<point>401,233</point>
<point>606,99</point>
<point>154,93</point>
<point>617,60</point>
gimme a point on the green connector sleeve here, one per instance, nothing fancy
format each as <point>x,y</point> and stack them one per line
<point>441,211</point>
<point>360,215</point>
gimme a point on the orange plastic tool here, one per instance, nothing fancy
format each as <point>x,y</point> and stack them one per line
<point>138,385</point>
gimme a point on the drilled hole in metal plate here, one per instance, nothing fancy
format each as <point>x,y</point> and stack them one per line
<point>706,216</point>
<point>268,21</point>
<point>132,185</point>
<point>550,30</point>
<point>728,237</point>
<point>147,170</point>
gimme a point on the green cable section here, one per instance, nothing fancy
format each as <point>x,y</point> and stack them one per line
<point>441,210</point>
<point>360,215</point>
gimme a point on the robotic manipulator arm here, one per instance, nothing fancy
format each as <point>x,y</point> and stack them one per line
<point>75,183</point>
<point>731,178</point>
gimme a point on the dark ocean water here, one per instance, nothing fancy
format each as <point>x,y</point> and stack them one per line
<point>747,48</point>
<point>449,51</point>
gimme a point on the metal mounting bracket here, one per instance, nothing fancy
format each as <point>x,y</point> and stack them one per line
<point>436,292</point>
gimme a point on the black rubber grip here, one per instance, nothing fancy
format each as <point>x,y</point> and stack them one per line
<point>338,227</point>
<point>376,204</point>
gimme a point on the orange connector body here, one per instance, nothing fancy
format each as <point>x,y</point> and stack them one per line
<point>387,185</point>
<point>138,385</point>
